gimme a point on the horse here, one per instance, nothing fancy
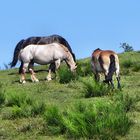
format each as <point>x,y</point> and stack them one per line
<point>43,54</point>
<point>40,41</point>
<point>107,62</point>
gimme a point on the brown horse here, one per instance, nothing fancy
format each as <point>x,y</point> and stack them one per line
<point>107,62</point>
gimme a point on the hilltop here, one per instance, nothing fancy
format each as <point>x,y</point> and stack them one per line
<point>64,108</point>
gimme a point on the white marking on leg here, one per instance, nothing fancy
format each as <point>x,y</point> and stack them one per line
<point>49,75</point>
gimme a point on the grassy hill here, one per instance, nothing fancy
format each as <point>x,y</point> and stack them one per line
<point>71,106</point>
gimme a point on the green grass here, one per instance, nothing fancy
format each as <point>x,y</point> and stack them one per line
<point>72,106</point>
<point>104,120</point>
<point>95,89</point>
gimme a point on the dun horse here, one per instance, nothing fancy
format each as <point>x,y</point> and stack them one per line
<point>42,54</point>
<point>107,62</point>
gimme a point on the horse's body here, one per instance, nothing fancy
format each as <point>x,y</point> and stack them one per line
<point>44,54</point>
<point>107,62</point>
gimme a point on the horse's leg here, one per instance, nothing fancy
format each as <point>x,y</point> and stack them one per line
<point>108,79</point>
<point>31,70</point>
<point>57,63</point>
<point>22,71</point>
<point>52,68</point>
<point>111,82</point>
<point>106,73</point>
<point>49,77</point>
<point>118,78</point>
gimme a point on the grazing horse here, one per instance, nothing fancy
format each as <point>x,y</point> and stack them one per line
<point>40,41</point>
<point>43,54</point>
<point>107,62</point>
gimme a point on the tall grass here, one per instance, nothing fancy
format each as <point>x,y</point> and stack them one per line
<point>96,120</point>
<point>2,94</point>
<point>22,105</point>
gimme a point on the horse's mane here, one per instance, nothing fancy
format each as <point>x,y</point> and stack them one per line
<point>98,49</point>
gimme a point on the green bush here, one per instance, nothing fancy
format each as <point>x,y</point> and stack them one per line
<point>136,67</point>
<point>65,75</point>
<point>127,63</point>
<point>94,89</point>
<point>84,69</point>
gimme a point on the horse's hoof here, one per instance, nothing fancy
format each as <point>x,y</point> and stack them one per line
<point>23,82</point>
<point>49,79</point>
<point>36,81</point>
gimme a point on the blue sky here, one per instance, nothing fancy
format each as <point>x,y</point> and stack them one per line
<point>86,24</point>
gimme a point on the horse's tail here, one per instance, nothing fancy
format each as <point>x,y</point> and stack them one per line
<point>112,67</point>
<point>16,53</point>
<point>64,42</point>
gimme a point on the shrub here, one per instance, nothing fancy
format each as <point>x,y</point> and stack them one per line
<point>136,67</point>
<point>127,63</point>
<point>94,89</point>
<point>84,69</point>
<point>65,75</point>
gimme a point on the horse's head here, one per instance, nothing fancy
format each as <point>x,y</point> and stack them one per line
<point>73,67</point>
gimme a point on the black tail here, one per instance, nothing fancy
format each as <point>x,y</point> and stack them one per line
<point>16,53</point>
<point>112,66</point>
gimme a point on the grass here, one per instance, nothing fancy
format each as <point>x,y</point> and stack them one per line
<point>94,89</point>
<point>92,120</point>
<point>2,94</point>
<point>72,106</point>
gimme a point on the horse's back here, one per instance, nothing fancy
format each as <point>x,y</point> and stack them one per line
<point>101,59</point>
<point>42,54</point>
